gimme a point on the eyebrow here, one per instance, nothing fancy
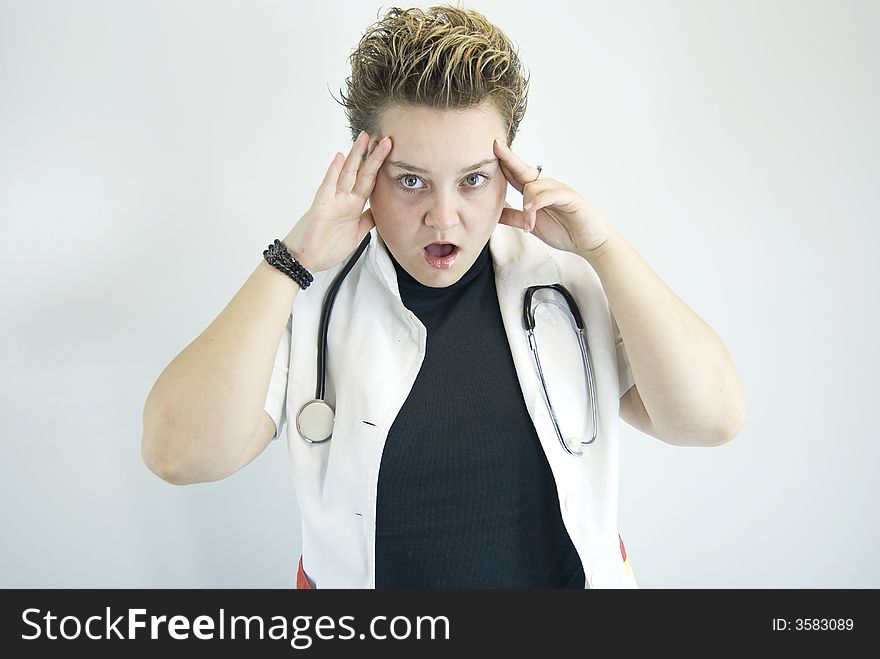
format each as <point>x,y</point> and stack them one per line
<point>420,170</point>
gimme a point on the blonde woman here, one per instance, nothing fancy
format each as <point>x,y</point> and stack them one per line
<point>433,452</point>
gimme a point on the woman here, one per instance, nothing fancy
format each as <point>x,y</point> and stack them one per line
<point>445,467</point>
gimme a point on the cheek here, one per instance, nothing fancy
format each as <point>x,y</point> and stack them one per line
<point>498,191</point>
<point>388,211</point>
<point>382,199</point>
<point>380,189</point>
<point>387,193</point>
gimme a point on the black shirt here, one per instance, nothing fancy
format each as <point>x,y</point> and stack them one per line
<point>466,497</point>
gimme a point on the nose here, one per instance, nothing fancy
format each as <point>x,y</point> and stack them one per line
<point>442,215</point>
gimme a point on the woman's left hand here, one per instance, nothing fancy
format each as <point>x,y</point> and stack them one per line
<point>552,211</point>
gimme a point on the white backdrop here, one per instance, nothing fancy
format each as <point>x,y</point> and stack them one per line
<point>150,150</point>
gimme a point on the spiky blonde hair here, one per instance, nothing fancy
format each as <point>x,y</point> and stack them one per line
<point>446,57</point>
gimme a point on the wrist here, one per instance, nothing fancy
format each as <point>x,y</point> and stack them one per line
<point>594,254</point>
<point>297,253</point>
<point>279,257</point>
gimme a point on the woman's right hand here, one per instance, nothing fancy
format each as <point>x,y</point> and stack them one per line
<point>337,222</point>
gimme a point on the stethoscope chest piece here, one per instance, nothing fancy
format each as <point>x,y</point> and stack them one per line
<point>314,422</point>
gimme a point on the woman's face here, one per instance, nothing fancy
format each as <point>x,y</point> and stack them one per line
<point>431,189</point>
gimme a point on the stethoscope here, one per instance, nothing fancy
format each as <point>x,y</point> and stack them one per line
<point>571,444</point>
<point>314,421</point>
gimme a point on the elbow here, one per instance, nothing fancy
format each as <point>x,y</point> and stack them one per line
<point>731,427</point>
<point>739,418</point>
<point>717,438</point>
<point>161,452</point>
<point>175,474</point>
<point>155,454</point>
<point>735,419</point>
<point>703,435</point>
<point>167,464</point>
<point>154,450</point>
<point>729,423</point>
<point>161,465</point>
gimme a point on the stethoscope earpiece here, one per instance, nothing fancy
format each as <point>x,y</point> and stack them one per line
<point>573,444</point>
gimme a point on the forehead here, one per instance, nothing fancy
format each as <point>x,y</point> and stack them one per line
<point>428,140</point>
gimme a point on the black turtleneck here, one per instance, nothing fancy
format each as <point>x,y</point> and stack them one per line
<point>466,496</point>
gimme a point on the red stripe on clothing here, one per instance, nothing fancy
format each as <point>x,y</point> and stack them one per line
<point>302,581</point>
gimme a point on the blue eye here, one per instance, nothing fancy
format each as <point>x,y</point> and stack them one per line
<point>409,190</point>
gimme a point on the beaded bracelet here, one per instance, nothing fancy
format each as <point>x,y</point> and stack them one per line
<point>278,257</point>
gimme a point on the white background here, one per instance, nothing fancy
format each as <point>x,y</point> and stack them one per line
<point>149,152</point>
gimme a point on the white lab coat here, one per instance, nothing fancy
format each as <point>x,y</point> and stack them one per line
<point>375,350</point>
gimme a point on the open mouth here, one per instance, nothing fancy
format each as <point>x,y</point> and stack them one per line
<point>440,250</point>
<point>441,255</point>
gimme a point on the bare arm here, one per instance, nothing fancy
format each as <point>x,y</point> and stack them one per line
<point>206,408</point>
<point>204,416</point>
<point>688,387</point>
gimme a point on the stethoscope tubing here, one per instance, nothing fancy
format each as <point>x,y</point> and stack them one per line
<point>586,358</point>
<point>315,419</point>
<point>326,309</point>
<point>317,426</point>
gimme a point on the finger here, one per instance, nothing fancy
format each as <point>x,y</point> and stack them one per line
<point>366,179</point>
<point>530,210</point>
<point>521,173</point>
<point>535,186</point>
<point>327,189</point>
<point>512,217</point>
<point>550,197</point>
<point>349,171</point>
<point>507,173</point>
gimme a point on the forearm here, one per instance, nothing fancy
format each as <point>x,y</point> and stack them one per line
<point>684,374</point>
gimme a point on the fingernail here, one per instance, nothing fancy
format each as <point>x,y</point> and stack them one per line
<point>527,206</point>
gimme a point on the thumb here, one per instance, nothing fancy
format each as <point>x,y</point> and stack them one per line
<point>512,217</point>
<point>366,222</point>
